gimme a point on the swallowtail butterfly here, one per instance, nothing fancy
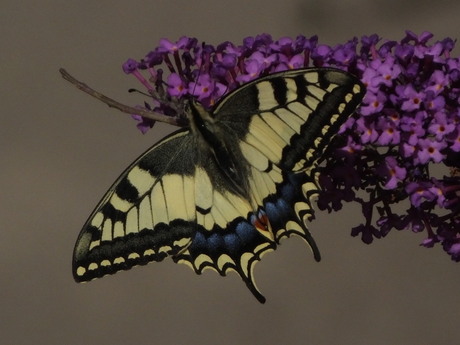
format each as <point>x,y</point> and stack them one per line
<point>227,188</point>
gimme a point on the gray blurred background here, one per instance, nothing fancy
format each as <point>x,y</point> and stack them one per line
<point>60,150</point>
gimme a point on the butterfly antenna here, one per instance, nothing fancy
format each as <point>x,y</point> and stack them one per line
<point>139,91</point>
<point>200,70</point>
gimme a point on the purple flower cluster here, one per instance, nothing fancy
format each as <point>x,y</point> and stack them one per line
<point>388,154</point>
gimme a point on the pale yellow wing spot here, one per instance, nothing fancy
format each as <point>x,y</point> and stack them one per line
<point>242,206</point>
<point>183,242</point>
<point>80,271</point>
<point>119,203</point>
<point>291,90</point>
<point>254,156</point>
<point>259,189</point>
<point>325,130</point>
<point>93,266</point>
<point>357,89</point>
<point>246,258</point>
<point>309,189</point>
<point>94,244</point>
<point>223,260</point>
<point>266,97</point>
<point>244,263</point>
<point>164,249</point>
<point>341,107</point>
<point>208,222</point>
<point>282,128</point>
<point>219,219</point>
<point>311,78</point>
<point>330,88</point>
<point>200,218</point>
<point>301,206</point>
<point>201,260</point>
<point>119,260</point>
<point>275,174</point>
<point>107,230</point>
<point>292,225</point>
<point>105,263</point>
<point>317,142</point>
<point>260,129</point>
<point>173,187</point>
<point>189,197</point>
<point>140,179</point>
<point>290,119</point>
<point>309,156</point>
<point>231,206</point>
<point>133,256</point>
<point>334,118</point>
<point>300,165</point>
<point>203,189</point>
<point>312,103</point>
<point>145,214</point>
<point>159,210</point>
<point>271,154</point>
<point>300,110</point>
<point>97,220</point>
<point>132,221</point>
<point>318,92</point>
<point>118,229</point>
<point>269,184</point>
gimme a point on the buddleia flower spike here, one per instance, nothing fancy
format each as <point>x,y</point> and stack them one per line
<point>257,145</point>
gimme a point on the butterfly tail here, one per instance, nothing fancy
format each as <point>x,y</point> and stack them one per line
<point>237,248</point>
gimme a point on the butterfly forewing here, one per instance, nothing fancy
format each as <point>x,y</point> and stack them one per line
<point>179,199</point>
<point>291,116</point>
<point>147,214</point>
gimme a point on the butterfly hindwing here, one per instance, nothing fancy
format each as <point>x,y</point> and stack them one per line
<point>225,191</point>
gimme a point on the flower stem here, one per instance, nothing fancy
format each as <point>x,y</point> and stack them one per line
<point>175,121</point>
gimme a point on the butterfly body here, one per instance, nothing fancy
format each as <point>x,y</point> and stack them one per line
<point>223,191</point>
